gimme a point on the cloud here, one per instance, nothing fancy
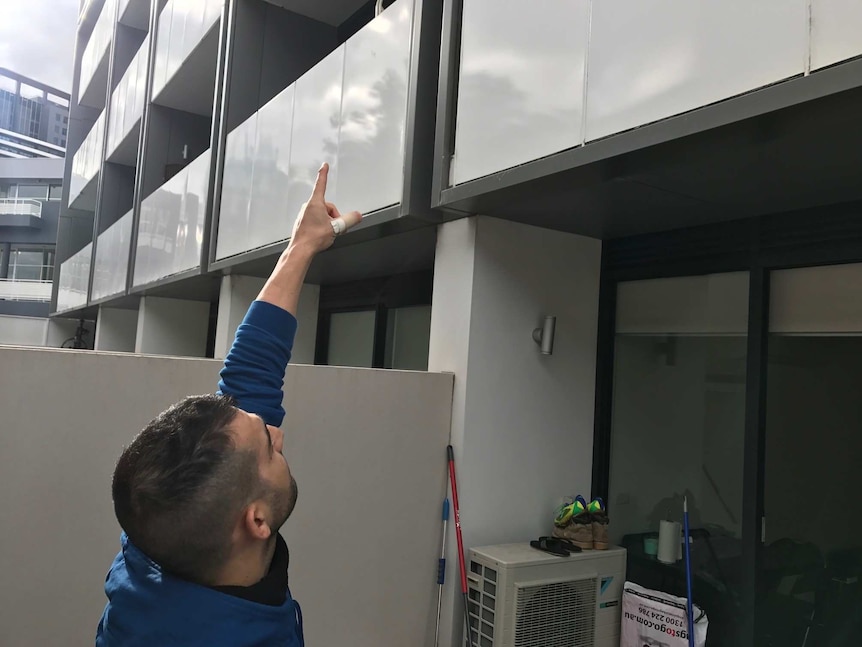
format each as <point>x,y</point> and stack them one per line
<point>37,39</point>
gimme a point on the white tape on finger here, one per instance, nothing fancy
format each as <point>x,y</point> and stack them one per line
<point>343,223</point>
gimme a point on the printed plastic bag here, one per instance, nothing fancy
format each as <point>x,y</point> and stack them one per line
<point>655,619</point>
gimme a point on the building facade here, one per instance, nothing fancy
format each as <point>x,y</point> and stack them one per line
<point>34,117</point>
<point>675,182</point>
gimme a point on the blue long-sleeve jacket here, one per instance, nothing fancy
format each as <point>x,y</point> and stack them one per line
<point>148,607</point>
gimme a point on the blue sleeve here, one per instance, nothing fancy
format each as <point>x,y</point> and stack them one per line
<point>253,371</point>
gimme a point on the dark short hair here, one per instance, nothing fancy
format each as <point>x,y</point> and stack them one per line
<point>181,485</point>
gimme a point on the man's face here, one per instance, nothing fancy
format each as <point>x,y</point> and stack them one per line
<point>266,442</point>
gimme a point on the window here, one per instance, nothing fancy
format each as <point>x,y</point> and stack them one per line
<point>33,191</point>
<point>55,191</point>
<point>31,263</point>
<point>65,120</point>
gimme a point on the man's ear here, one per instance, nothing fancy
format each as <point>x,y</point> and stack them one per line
<point>255,520</point>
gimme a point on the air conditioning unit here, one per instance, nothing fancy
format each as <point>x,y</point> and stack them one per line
<point>523,597</point>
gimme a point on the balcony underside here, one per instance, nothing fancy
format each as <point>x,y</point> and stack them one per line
<point>739,158</point>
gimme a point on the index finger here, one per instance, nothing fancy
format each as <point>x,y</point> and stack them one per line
<point>320,185</point>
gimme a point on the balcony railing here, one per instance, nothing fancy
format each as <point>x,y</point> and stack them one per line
<point>182,25</point>
<point>112,259</point>
<point>171,229</point>
<point>88,160</point>
<point>348,109</point>
<point>127,100</point>
<point>20,207</point>
<point>74,281</point>
<point>97,46</point>
<point>22,290</point>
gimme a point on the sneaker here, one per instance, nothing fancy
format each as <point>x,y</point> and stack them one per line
<point>568,511</point>
<point>579,532</point>
<point>599,517</point>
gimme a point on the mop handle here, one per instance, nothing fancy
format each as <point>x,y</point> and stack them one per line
<point>441,564</point>
<point>689,604</point>
<point>457,510</point>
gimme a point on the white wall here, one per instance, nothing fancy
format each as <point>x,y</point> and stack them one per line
<point>172,327</point>
<point>364,538</point>
<point>22,331</point>
<point>116,329</point>
<point>522,423</point>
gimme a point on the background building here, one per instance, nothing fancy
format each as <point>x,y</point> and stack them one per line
<point>34,117</point>
<point>33,128</point>
<point>676,182</point>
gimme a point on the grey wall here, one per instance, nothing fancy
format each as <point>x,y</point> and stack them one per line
<point>22,331</point>
<point>522,423</point>
<point>365,577</point>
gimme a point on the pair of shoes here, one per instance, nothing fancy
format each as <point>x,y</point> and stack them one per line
<point>584,524</point>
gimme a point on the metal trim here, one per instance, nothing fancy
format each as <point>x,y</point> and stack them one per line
<point>784,94</point>
<point>218,138</point>
<point>447,99</point>
<point>419,144</point>
<point>143,135</point>
<point>166,280</point>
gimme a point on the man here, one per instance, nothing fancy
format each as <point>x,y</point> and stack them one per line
<point>203,490</point>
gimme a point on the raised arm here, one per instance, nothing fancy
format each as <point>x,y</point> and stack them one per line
<point>254,369</point>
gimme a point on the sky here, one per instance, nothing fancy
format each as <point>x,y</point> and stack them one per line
<point>37,39</point>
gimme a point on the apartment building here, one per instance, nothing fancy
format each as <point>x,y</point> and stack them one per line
<point>675,182</point>
<point>33,125</point>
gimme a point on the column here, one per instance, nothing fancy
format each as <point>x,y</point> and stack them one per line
<point>116,329</point>
<point>236,295</point>
<point>5,254</point>
<point>522,422</point>
<point>172,327</point>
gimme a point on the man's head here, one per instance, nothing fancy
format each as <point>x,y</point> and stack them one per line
<point>202,484</point>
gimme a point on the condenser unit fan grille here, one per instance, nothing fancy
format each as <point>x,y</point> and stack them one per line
<point>561,614</point>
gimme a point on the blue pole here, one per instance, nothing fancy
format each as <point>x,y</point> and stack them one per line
<point>689,604</point>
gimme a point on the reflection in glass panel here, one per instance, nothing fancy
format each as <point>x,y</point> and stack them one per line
<point>678,430</point>
<point>408,332</point>
<point>351,338</point>
<point>810,584</point>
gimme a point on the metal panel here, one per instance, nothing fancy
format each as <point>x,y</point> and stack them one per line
<point>112,259</point>
<point>236,189</point>
<point>374,111</point>
<point>97,46</point>
<point>171,224</point>
<point>74,280</point>
<point>268,221</point>
<point>127,100</point>
<point>314,137</point>
<point>88,159</point>
<point>654,59</point>
<point>836,31</point>
<point>520,84</point>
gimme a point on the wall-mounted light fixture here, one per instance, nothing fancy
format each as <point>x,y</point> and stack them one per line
<point>544,336</point>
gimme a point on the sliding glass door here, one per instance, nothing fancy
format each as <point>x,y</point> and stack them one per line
<point>810,570</point>
<point>678,428</point>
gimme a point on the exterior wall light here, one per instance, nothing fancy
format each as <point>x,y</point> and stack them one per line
<point>544,336</point>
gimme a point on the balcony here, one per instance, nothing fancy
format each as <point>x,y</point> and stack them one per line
<point>94,62</point>
<point>23,290</point>
<point>85,168</point>
<point>127,107</point>
<point>135,13</point>
<point>20,212</point>
<point>112,259</point>
<point>186,51</point>
<point>74,280</point>
<point>350,108</point>
<point>171,227</point>
<point>538,96</point>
